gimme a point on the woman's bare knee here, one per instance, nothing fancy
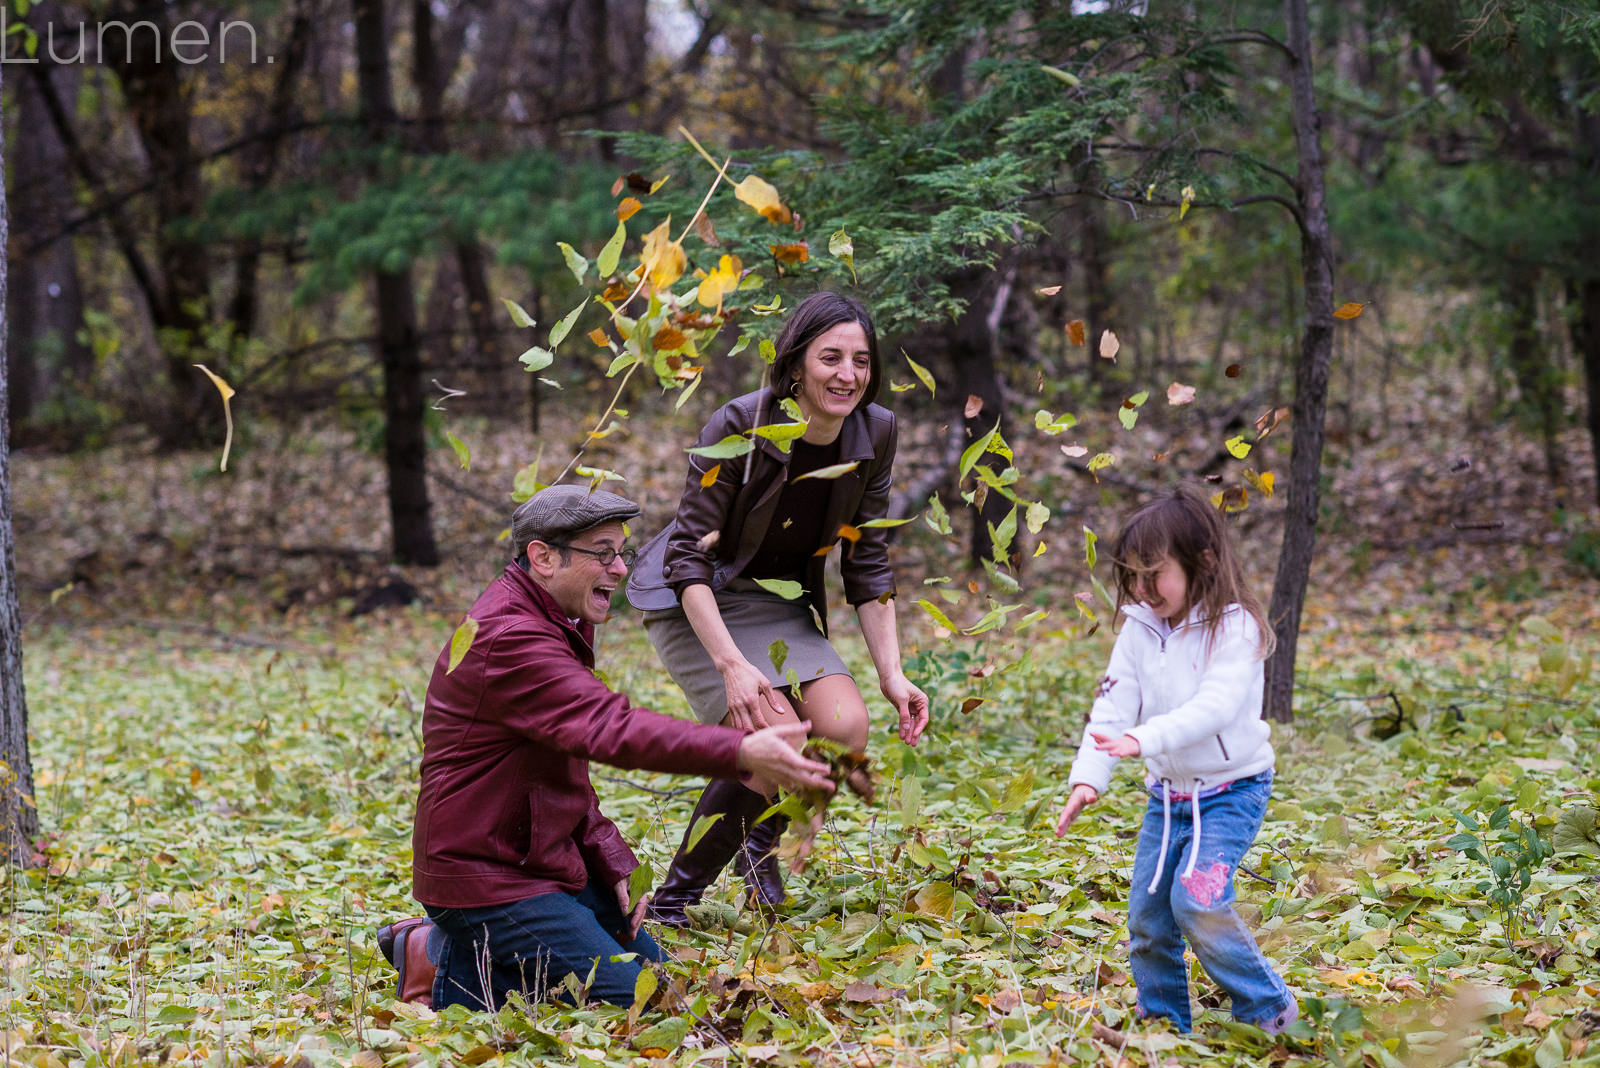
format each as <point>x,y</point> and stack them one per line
<point>833,707</point>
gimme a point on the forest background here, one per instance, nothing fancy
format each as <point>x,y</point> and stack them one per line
<point>302,296</point>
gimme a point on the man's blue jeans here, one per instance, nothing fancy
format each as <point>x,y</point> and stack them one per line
<point>533,944</point>
<point>1199,907</point>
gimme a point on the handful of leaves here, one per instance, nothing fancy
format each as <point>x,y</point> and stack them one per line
<point>850,769</point>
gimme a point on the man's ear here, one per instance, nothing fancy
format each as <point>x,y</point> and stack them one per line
<point>542,559</point>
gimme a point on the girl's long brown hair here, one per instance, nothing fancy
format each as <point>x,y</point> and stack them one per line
<point>1186,526</point>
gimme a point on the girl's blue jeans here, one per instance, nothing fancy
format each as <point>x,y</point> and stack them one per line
<point>1199,908</point>
<point>531,946</point>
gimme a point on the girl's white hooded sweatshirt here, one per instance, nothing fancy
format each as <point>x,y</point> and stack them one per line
<point>1196,712</point>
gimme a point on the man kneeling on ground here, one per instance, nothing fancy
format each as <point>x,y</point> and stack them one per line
<point>524,879</point>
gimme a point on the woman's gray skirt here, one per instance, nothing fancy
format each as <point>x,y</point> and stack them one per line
<point>755,619</point>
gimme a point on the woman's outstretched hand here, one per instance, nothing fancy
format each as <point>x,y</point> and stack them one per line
<point>772,755</point>
<point>1082,795</point>
<point>750,696</point>
<point>910,702</point>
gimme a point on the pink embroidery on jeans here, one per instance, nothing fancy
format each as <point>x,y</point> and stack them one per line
<point>1208,885</point>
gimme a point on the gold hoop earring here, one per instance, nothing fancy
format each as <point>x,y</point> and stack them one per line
<point>794,387</point>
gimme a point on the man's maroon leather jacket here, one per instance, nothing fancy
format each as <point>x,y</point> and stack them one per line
<point>506,809</point>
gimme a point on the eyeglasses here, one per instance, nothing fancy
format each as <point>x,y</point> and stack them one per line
<point>603,556</point>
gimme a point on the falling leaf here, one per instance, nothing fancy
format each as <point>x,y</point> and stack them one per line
<point>788,589</point>
<point>518,316</point>
<point>1349,310</point>
<point>1262,482</point>
<point>559,332</point>
<point>799,252</point>
<point>632,181</point>
<point>1269,421</point>
<point>1128,414</point>
<point>1109,346</point>
<point>460,450</point>
<point>1075,451</point>
<point>536,359</point>
<point>615,292</point>
<point>669,338</point>
<point>611,253</point>
<point>969,704</point>
<point>710,477</point>
<point>1075,332</point>
<point>873,524</point>
<point>1090,554</point>
<point>460,642</point>
<point>1048,291</point>
<point>840,247</point>
<point>1234,370</point>
<point>1061,75</point>
<point>702,228</point>
<point>1186,197</point>
<point>849,533</point>
<point>1099,461</point>
<point>720,282</point>
<point>1232,499</point>
<point>920,371</point>
<point>575,262</point>
<point>729,447</point>
<point>662,259</point>
<point>628,208</point>
<point>831,471</point>
<point>227,410</point>
<point>763,197</point>
<point>938,614</point>
<point>599,337</point>
<point>974,406</point>
<point>1178,393</point>
<point>1237,447</point>
<point>1036,516</point>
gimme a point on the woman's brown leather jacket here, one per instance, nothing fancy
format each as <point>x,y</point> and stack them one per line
<point>738,506</point>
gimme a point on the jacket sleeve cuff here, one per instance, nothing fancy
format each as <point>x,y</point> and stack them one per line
<point>1149,738</point>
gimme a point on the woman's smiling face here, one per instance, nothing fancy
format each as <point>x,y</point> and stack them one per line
<point>835,373</point>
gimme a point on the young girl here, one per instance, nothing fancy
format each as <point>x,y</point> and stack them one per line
<point>1183,690</point>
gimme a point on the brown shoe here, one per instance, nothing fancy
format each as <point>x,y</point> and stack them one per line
<point>404,944</point>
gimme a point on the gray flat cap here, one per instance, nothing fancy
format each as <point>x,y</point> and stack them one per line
<point>558,513</point>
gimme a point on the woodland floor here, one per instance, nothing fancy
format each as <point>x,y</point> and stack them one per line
<point>225,762</point>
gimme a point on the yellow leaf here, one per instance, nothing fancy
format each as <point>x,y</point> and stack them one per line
<point>1237,447</point>
<point>1109,346</point>
<point>799,252</point>
<point>1262,482</point>
<point>460,642</point>
<point>841,247</point>
<point>663,259</point>
<point>227,409</point>
<point>761,195</point>
<point>831,471</point>
<point>1349,310</point>
<point>920,371</point>
<point>710,477</point>
<point>1187,197</point>
<point>627,208</point>
<point>720,282</point>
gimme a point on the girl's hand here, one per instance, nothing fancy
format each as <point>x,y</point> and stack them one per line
<point>750,696</point>
<point>910,702</point>
<point>1125,745</point>
<point>1082,795</point>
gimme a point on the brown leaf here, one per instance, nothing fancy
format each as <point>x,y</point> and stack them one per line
<point>710,477</point>
<point>1109,346</point>
<point>849,533</point>
<point>367,1058</point>
<point>974,406</point>
<point>598,336</point>
<point>615,291</point>
<point>1048,291</point>
<point>1075,332</point>
<point>1005,1001</point>
<point>1350,310</point>
<point>1234,370</point>
<point>1269,421</point>
<point>972,585</point>
<point>669,338</point>
<point>799,252</point>
<point>1109,1035</point>
<point>969,704</point>
<point>704,230</point>
<point>1178,393</point>
<point>628,208</point>
<point>865,993</point>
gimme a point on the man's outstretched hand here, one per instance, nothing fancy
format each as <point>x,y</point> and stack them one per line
<point>771,754</point>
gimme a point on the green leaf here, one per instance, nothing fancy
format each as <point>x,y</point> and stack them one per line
<point>936,516</point>
<point>460,642</point>
<point>1036,517</point>
<point>640,882</point>
<point>698,831</point>
<point>1550,1053</point>
<point>922,374</point>
<point>667,1035</point>
<point>536,359</point>
<point>1090,555</point>
<point>1129,412</point>
<point>518,316</point>
<point>778,653</point>
<point>788,589</point>
<point>840,246</point>
<point>768,351</point>
<point>910,800</point>
<point>780,434</point>
<point>1017,792</point>
<point>644,988</point>
<point>460,449</point>
<point>1057,72</point>
<point>874,523</point>
<point>606,262</point>
<point>729,447</point>
<point>938,616</point>
<point>1577,830</point>
<point>977,449</point>
<point>575,263</point>
<point>559,332</point>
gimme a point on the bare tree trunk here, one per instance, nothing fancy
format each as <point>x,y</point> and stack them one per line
<point>19,815</point>
<point>1584,316</point>
<point>1311,375</point>
<point>43,291</point>
<point>405,444</point>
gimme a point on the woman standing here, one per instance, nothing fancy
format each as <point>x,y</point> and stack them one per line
<point>761,517</point>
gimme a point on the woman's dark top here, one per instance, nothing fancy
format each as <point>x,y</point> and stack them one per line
<point>796,532</point>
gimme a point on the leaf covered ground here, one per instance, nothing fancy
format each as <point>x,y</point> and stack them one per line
<point>228,818</point>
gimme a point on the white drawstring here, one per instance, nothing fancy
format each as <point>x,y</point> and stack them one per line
<point>1194,845</point>
<point>1166,832</point>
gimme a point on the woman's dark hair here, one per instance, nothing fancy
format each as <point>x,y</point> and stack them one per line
<point>811,318</point>
<point>1186,526</point>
